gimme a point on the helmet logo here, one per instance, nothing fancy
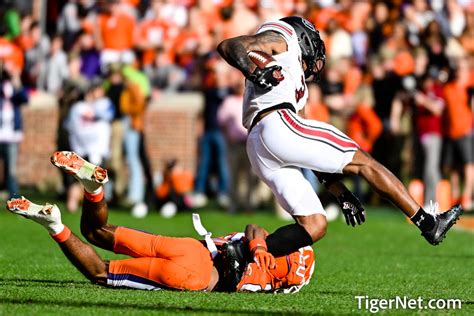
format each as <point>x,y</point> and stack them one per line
<point>308,24</point>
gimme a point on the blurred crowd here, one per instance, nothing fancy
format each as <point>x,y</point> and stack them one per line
<point>399,80</point>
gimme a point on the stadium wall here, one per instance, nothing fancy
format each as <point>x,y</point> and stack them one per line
<point>172,128</point>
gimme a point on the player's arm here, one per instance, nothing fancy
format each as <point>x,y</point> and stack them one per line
<point>235,52</point>
<point>258,247</point>
<point>253,231</point>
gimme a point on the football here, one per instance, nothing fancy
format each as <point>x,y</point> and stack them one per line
<point>259,58</point>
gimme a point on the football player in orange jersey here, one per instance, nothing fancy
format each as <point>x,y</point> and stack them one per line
<point>237,262</point>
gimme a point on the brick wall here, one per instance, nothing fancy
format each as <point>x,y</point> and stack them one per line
<point>171,128</point>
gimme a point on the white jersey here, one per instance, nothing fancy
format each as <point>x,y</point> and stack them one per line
<point>292,89</point>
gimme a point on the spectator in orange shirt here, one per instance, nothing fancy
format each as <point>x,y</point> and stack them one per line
<point>232,24</point>
<point>351,75</point>
<point>315,109</point>
<point>364,126</point>
<point>187,44</point>
<point>10,53</point>
<point>459,130</point>
<point>152,34</point>
<point>115,34</point>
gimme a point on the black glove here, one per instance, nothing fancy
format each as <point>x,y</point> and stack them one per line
<point>352,208</point>
<point>267,77</point>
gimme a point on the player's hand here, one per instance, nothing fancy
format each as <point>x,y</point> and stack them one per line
<point>352,208</point>
<point>263,259</point>
<point>268,77</point>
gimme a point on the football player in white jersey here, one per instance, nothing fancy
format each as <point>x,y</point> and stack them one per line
<point>280,142</point>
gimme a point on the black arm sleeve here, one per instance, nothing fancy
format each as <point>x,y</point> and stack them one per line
<point>288,239</point>
<point>327,178</point>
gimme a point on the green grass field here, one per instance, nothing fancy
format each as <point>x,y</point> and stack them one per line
<point>384,258</point>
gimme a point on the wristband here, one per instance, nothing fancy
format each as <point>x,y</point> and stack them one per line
<point>257,242</point>
<point>62,236</point>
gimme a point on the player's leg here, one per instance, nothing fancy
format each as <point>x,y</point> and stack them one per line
<point>433,226</point>
<point>280,141</point>
<point>296,195</point>
<point>94,226</point>
<point>81,255</point>
<point>350,159</point>
<point>288,139</point>
<point>188,267</point>
<point>292,191</point>
<point>160,262</point>
<point>382,181</point>
<point>94,215</point>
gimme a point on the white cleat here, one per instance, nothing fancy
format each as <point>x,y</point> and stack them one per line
<point>45,215</point>
<point>89,175</point>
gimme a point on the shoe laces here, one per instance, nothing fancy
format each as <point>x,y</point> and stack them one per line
<point>433,209</point>
<point>19,204</point>
<point>67,160</point>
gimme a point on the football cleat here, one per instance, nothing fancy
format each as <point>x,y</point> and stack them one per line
<point>89,175</point>
<point>443,222</point>
<point>43,214</point>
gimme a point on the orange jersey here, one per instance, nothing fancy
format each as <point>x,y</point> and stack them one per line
<point>117,31</point>
<point>152,34</point>
<point>364,127</point>
<point>11,54</point>
<point>459,116</point>
<point>291,273</point>
<point>317,112</point>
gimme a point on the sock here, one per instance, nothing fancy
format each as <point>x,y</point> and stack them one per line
<point>92,177</point>
<point>423,220</point>
<point>62,235</point>
<point>95,196</point>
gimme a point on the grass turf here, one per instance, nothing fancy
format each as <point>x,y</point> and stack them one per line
<point>384,258</point>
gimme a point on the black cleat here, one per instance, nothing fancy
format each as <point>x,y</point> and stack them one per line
<point>443,223</point>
